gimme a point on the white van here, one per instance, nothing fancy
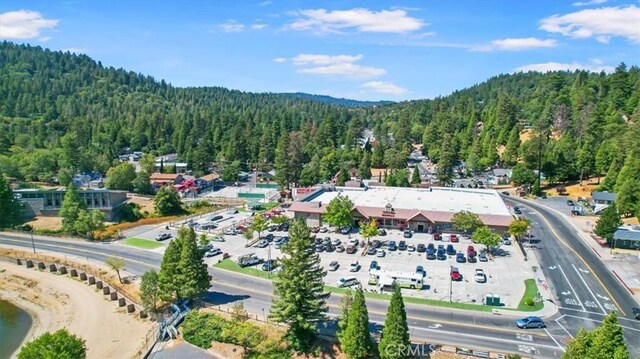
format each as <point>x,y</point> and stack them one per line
<point>347,281</point>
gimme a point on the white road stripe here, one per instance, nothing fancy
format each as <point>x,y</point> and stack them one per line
<point>575,294</point>
<point>600,321</point>
<point>554,340</point>
<point>589,289</point>
<point>563,328</point>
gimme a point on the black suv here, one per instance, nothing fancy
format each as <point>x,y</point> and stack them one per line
<point>636,312</point>
<point>421,247</point>
<point>402,246</point>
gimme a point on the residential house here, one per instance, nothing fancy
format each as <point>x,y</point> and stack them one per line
<point>602,200</point>
<point>208,180</point>
<point>627,237</point>
<point>165,179</point>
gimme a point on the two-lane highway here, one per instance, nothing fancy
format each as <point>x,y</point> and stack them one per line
<point>585,290</point>
<point>483,331</point>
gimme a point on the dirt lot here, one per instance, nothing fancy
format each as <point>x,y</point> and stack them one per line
<point>50,223</point>
<point>146,204</point>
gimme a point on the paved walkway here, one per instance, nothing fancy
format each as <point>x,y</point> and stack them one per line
<point>624,264</point>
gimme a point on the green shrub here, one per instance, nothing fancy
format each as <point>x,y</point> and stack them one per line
<point>529,301</point>
<point>200,329</point>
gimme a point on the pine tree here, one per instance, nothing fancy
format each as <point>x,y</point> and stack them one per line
<point>9,206</point>
<point>345,305</point>
<point>282,165</point>
<point>169,278</point>
<point>356,340</point>
<point>71,208</point>
<point>415,177</point>
<point>608,222</point>
<point>364,170</point>
<point>195,278</point>
<point>299,297</point>
<point>395,335</point>
<point>536,188</point>
<point>149,290</point>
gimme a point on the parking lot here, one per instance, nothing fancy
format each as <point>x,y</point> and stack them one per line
<point>505,275</point>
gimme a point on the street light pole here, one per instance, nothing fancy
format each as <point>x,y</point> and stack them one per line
<point>450,284</point>
<point>269,258</point>
<point>33,243</point>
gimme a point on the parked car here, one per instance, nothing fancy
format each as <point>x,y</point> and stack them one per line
<point>371,251</point>
<point>636,312</point>
<point>482,257</point>
<point>421,247</point>
<point>402,246</point>
<point>407,234</point>
<point>354,266</point>
<point>319,248</point>
<point>347,282</point>
<point>163,236</point>
<point>530,322</point>
<point>333,266</point>
<point>570,203</point>
<point>517,210</point>
<point>506,193</point>
<point>351,249</point>
<point>376,243</point>
<point>420,270</point>
<point>323,230</point>
<point>392,246</point>
<point>213,252</point>
<point>480,276</point>
<point>431,251</point>
<point>249,261</point>
<point>215,218</point>
<point>269,265</point>
<point>354,242</point>
<point>329,248</point>
<point>441,254</point>
<point>453,238</point>
<point>273,228</point>
<point>437,237</point>
<point>284,227</point>
<point>374,265</point>
<point>471,252</point>
<point>269,237</point>
<point>411,248</point>
<point>382,232</point>
<point>230,232</point>
<point>506,241</point>
<point>207,226</point>
<point>381,253</point>
<point>339,249</point>
<point>336,242</point>
<point>345,230</point>
<point>455,274</point>
<point>460,258</point>
<point>315,229</point>
<point>262,243</point>
<point>218,239</point>
<point>451,250</point>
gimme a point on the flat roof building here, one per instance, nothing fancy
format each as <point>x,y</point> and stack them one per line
<point>417,209</point>
<point>48,202</point>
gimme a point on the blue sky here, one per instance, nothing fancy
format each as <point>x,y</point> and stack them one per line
<point>394,50</point>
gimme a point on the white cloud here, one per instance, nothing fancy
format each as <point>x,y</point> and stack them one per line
<point>596,61</point>
<point>602,23</point>
<point>556,66</point>
<point>345,69</point>
<point>589,3</point>
<point>258,26</point>
<point>361,19</point>
<point>386,88</point>
<point>44,38</point>
<point>280,59</point>
<point>316,59</point>
<point>265,3</point>
<point>24,24</point>
<point>232,26</point>
<point>516,44</point>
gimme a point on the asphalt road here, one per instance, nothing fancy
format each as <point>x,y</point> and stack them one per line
<point>585,290</point>
<point>480,331</point>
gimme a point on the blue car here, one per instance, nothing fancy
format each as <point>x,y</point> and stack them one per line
<point>431,251</point>
<point>460,258</point>
<point>392,246</point>
<point>420,270</point>
<point>530,322</point>
<point>451,250</point>
<point>441,254</point>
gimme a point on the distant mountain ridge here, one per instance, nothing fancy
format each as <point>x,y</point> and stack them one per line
<point>336,101</point>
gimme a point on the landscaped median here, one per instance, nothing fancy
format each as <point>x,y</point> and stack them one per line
<point>141,243</point>
<point>530,292</point>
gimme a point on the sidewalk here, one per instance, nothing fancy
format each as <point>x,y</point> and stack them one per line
<point>624,264</point>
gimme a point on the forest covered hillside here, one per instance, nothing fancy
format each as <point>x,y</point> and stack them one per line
<point>61,112</point>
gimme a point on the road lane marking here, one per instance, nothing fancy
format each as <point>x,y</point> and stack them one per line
<point>600,321</point>
<point>582,259</point>
<point>588,288</point>
<point>575,294</point>
<point>563,328</point>
<point>554,340</point>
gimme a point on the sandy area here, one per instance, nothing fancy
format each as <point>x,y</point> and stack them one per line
<point>56,301</point>
<point>146,204</point>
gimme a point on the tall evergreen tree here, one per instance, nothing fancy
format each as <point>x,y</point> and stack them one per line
<point>608,222</point>
<point>282,163</point>
<point>395,335</point>
<point>72,206</point>
<point>415,176</point>
<point>195,278</point>
<point>299,297</point>
<point>356,340</point>
<point>345,306</point>
<point>9,206</point>
<point>364,170</point>
<point>170,276</point>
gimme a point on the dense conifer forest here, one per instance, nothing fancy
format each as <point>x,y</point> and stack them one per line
<point>63,113</point>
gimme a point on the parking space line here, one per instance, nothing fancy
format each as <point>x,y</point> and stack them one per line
<point>589,289</point>
<point>575,294</point>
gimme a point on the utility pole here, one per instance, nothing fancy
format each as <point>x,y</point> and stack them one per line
<point>33,243</point>
<point>269,258</point>
<point>450,284</point>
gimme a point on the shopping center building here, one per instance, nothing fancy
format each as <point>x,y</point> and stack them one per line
<point>416,209</point>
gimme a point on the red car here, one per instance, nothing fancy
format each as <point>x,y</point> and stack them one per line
<point>437,237</point>
<point>471,252</point>
<point>455,274</point>
<point>454,238</point>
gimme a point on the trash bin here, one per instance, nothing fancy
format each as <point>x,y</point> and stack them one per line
<point>496,300</point>
<point>489,299</point>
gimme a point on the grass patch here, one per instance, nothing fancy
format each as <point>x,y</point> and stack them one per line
<point>230,265</point>
<point>531,291</point>
<point>141,243</point>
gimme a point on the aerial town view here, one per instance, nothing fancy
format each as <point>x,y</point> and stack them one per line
<point>273,179</point>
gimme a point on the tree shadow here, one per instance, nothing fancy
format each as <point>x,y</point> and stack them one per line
<point>220,298</point>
